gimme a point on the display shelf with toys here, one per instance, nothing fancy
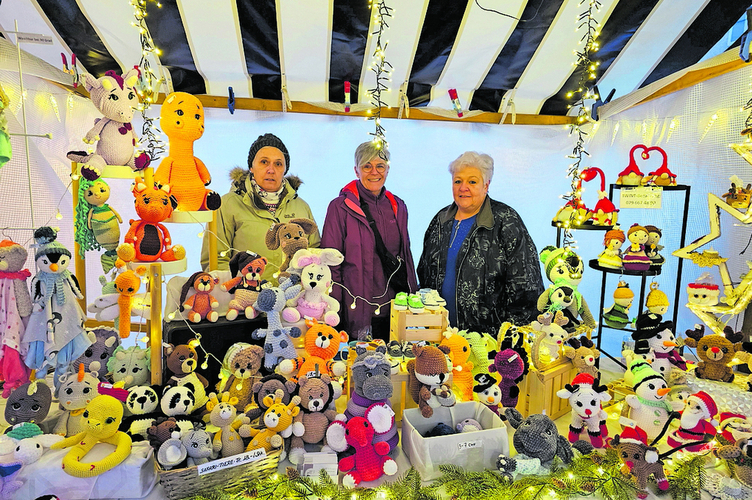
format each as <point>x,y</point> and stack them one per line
<point>406,326</point>
<point>577,227</point>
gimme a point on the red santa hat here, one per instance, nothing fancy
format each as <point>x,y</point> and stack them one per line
<point>638,436</point>
<point>708,404</point>
<point>583,379</point>
<point>726,419</point>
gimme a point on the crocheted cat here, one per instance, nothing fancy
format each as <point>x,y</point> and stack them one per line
<point>321,345</point>
<point>182,120</point>
<point>278,345</point>
<point>15,307</point>
<point>202,304</point>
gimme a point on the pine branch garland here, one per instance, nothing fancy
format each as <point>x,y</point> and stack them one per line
<point>688,478</point>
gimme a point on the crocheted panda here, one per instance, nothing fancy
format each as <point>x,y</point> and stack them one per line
<point>179,402</point>
<point>143,405</point>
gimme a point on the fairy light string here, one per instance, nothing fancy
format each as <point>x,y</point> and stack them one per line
<point>586,68</point>
<point>148,83</point>
<point>383,70</point>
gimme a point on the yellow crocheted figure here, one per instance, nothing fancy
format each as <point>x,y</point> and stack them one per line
<point>462,369</point>
<point>103,416</point>
<point>278,420</point>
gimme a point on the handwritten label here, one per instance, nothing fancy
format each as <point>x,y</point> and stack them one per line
<point>641,197</point>
<point>232,461</point>
<point>466,445</point>
<point>34,38</point>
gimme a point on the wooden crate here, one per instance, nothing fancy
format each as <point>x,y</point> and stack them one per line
<point>538,395</point>
<point>429,325</point>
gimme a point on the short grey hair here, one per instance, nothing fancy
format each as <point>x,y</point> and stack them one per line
<point>367,152</point>
<point>481,161</point>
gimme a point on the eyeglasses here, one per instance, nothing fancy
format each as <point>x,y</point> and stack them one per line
<point>368,168</point>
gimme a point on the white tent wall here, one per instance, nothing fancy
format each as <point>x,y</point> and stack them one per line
<point>695,127</point>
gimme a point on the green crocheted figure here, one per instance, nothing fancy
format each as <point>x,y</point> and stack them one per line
<point>97,224</point>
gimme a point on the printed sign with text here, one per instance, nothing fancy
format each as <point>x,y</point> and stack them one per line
<point>641,197</point>
<point>233,461</point>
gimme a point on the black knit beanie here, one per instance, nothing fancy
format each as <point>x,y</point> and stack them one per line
<point>268,140</point>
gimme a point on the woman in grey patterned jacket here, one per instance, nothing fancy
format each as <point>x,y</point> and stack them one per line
<point>478,254</point>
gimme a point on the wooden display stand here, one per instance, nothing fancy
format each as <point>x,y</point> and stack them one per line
<point>538,390</point>
<point>405,326</point>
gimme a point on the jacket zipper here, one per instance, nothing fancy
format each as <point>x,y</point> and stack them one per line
<point>457,273</point>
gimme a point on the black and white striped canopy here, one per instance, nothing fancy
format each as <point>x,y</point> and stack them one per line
<point>434,45</point>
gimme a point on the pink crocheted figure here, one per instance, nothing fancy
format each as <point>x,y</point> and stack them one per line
<point>316,279</point>
<point>114,96</point>
<point>15,307</point>
<point>369,461</point>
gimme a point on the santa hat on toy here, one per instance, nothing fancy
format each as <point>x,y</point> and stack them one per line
<point>583,379</point>
<point>728,418</point>
<point>708,405</point>
<point>638,436</point>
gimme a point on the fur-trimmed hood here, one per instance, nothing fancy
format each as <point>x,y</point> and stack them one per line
<point>238,176</point>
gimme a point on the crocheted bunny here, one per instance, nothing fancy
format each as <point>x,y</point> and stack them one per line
<point>316,279</point>
<point>15,304</point>
<point>278,344</point>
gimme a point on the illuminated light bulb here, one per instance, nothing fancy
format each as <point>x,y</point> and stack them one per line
<point>275,275</point>
<point>378,311</point>
<point>352,306</point>
<point>171,316</point>
<point>222,253</point>
<point>194,343</point>
<point>144,339</point>
<point>58,216</point>
<point>204,365</point>
<point>201,234</point>
<point>144,279</point>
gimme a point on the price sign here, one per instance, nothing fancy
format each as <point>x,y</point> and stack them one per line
<point>641,197</point>
<point>466,445</point>
<point>232,461</point>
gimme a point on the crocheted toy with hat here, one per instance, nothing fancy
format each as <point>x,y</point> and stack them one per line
<point>462,369</point>
<point>227,441</point>
<point>617,316</point>
<point>278,345</point>
<point>148,240</point>
<point>97,223</point>
<point>640,460</point>
<point>26,442</point>
<point>115,97</point>
<point>653,246</point>
<point>585,397</point>
<point>734,426</point>
<point>703,292</point>
<point>643,353</point>
<point>202,304</point>
<point>29,402</point>
<point>611,256</point>
<point>75,391</point>
<point>428,375</point>
<point>648,407</point>
<point>240,371</point>
<point>564,268</point>
<point>290,237</point>
<point>654,333</point>
<point>321,345</point>
<point>697,424</point>
<point>278,421</point>
<point>55,334</point>
<point>102,419</point>
<point>309,427</point>
<point>511,365</point>
<point>716,352</point>
<point>15,307</point>
<point>634,257</point>
<point>182,120</point>
<point>316,278</point>
<point>583,354</point>
<point>488,392</point>
<point>247,268</point>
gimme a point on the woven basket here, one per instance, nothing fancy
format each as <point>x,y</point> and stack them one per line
<point>182,483</point>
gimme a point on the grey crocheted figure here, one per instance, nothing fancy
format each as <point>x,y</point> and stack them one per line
<point>278,344</point>
<point>537,437</point>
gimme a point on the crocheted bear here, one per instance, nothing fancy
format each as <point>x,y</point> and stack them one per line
<point>247,268</point>
<point>29,403</point>
<point>462,369</point>
<point>427,374</point>
<point>715,352</point>
<point>76,390</point>
<point>583,354</point>
<point>585,397</point>
<point>15,307</point>
<point>104,341</point>
<point>142,404</point>
<point>321,345</point>
<point>240,369</point>
<point>278,344</point>
<point>202,304</point>
<point>640,460</point>
<point>182,120</point>
<point>369,461</point>
<point>182,362</point>
<point>130,366</point>
<point>278,422</point>
<point>289,236</point>
<point>510,364</point>
<point>227,441</point>
<point>316,279</point>
<point>268,386</point>
<point>316,393</point>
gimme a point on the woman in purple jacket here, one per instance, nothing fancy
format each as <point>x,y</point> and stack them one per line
<point>347,229</point>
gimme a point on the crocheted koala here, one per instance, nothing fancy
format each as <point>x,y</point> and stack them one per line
<point>278,344</point>
<point>240,370</point>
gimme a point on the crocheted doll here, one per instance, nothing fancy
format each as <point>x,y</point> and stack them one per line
<point>715,352</point>
<point>583,354</point>
<point>182,119</point>
<point>510,365</point>
<point>488,392</point>
<point>611,256</point>
<point>130,366</point>
<point>427,374</point>
<point>148,240</point>
<point>278,344</point>
<point>240,371</point>
<point>76,390</point>
<point>247,267</point>
<point>703,292</point>
<point>290,237</point>
<point>697,423</point>
<point>309,427</point>
<point>15,308</point>
<point>268,386</point>
<point>585,397</point>
<point>55,333</point>
<point>202,304</point>
<point>114,96</point>
<point>278,421</point>
<point>321,345</point>
<point>29,402</point>
<point>462,369</point>
<point>640,460</point>
<point>103,416</point>
<point>635,258</point>
<point>97,223</point>
<point>227,441</point>
<point>617,316</point>
<point>316,279</point>
<point>653,246</point>
<point>647,407</point>
<point>564,267</point>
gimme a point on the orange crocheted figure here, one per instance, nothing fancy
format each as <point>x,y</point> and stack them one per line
<point>462,369</point>
<point>182,119</point>
<point>202,304</point>
<point>321,345</point>
<point>127,284</point>
<point>147,238</point>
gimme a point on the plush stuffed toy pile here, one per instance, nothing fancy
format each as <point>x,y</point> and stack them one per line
<point>428,375</point>
<point>16,307</point>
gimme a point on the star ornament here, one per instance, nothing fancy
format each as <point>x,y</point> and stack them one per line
<point>744,150</point>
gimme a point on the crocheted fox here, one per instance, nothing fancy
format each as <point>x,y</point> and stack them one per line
<point>321,345</point>
<point>202,304</point>
<point>182,119</point>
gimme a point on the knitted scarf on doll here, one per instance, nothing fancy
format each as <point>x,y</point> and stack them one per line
<point>674,358</point>
<point>54,284</point>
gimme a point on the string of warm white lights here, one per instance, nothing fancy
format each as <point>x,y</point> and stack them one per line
<point>148,87</point>
<point>586,68</point>
<point>383,70</point>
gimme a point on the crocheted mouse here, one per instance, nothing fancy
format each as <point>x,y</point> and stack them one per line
<point>182,120</point>
<point>510,364</point>
<point>202,304</point>
<point>240,371</point>
<point>278,344</point>
<point>316,279</point>
<point>640,460</point>
<point>585,397</point>
<point>321,345</point>
<point>15,307</point>
<point>427,374</point>
<point>247,268</point>
<point>369,461</point>
<point>29,402</point>
<point>462,369</point>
